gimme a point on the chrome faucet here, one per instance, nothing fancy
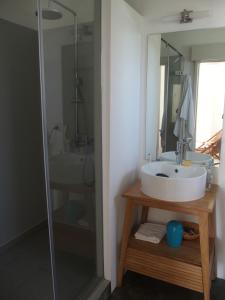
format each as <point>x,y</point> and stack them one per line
<point>182,148</point>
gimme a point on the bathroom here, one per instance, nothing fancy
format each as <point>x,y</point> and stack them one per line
<point>90,91</point>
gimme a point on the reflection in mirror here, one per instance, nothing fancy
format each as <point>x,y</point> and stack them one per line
<point>171,66</point>
<point>191,95</point>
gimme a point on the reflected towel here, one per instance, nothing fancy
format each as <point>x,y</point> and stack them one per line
<point>185,122</point>
<point>150,232</point>
<point>56,141</point>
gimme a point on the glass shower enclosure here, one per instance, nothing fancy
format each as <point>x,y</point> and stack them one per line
<point>172,66</point>
<point>69,53</point>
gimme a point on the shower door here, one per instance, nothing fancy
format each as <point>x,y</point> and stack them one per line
<point>69,39</point>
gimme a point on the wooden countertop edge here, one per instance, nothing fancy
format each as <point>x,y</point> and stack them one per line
<point>205,204</point>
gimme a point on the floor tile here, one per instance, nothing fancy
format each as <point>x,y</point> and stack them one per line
<point>25,271</point>
<point>138,287</point>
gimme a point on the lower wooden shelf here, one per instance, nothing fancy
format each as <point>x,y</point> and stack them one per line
<point>180,266</point>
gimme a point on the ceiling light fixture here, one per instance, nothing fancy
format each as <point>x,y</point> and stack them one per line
<point>186,16</point>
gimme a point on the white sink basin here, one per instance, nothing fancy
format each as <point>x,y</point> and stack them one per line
<point>182,184</point>
<point>195,157</point>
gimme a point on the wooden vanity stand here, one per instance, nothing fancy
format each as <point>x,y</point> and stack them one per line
<point>190,266</point>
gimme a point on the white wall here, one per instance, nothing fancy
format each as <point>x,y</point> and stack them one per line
<point>121,104</point>
<point>220,212</point>
<point>208,52</point>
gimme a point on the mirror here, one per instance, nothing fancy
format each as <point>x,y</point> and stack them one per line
<point>185,96</point>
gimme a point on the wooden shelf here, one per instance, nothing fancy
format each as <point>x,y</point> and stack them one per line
<point>188,253</point>
<point>170,265</point>
<point>181,266</point>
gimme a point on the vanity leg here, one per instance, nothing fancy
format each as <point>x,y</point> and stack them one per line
<point>125,238</point>
<point>144,214</point>
<point>212,234</point>
<point>204,244</point>
<point>212,225</point>
<point>213,272</point>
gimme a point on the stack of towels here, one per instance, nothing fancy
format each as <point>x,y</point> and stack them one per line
<point>151,232</point>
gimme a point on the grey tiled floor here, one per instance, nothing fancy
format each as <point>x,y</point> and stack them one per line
<point>74,275</point>
<point>25,272</point>
<point>138,287</point>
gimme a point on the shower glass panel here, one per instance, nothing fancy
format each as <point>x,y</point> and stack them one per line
<point>170,93</point>
<point>70,69</point>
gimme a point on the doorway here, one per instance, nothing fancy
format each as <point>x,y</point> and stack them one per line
<point>210,106</point>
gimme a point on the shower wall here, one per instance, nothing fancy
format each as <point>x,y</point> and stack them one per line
<point>22,204</point>
<point>85,89</point>
<point>54,41</point>
<point>59,64</point>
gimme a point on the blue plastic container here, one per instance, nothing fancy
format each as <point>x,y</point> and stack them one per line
<point>175,233</point>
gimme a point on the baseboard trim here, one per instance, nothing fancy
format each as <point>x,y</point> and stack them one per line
<point>102,291</point>
<point>22,236</point>
<point>98,289</point>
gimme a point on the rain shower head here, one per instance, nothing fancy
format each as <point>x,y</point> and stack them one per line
<point>51,14</point>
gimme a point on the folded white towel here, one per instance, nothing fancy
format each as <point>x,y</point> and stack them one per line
<point>150,232</point>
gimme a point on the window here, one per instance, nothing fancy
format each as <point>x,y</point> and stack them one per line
<point>210,101</point>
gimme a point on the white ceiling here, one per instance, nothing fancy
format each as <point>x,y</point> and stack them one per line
<point>23,12</point>
<point>155,11</point>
